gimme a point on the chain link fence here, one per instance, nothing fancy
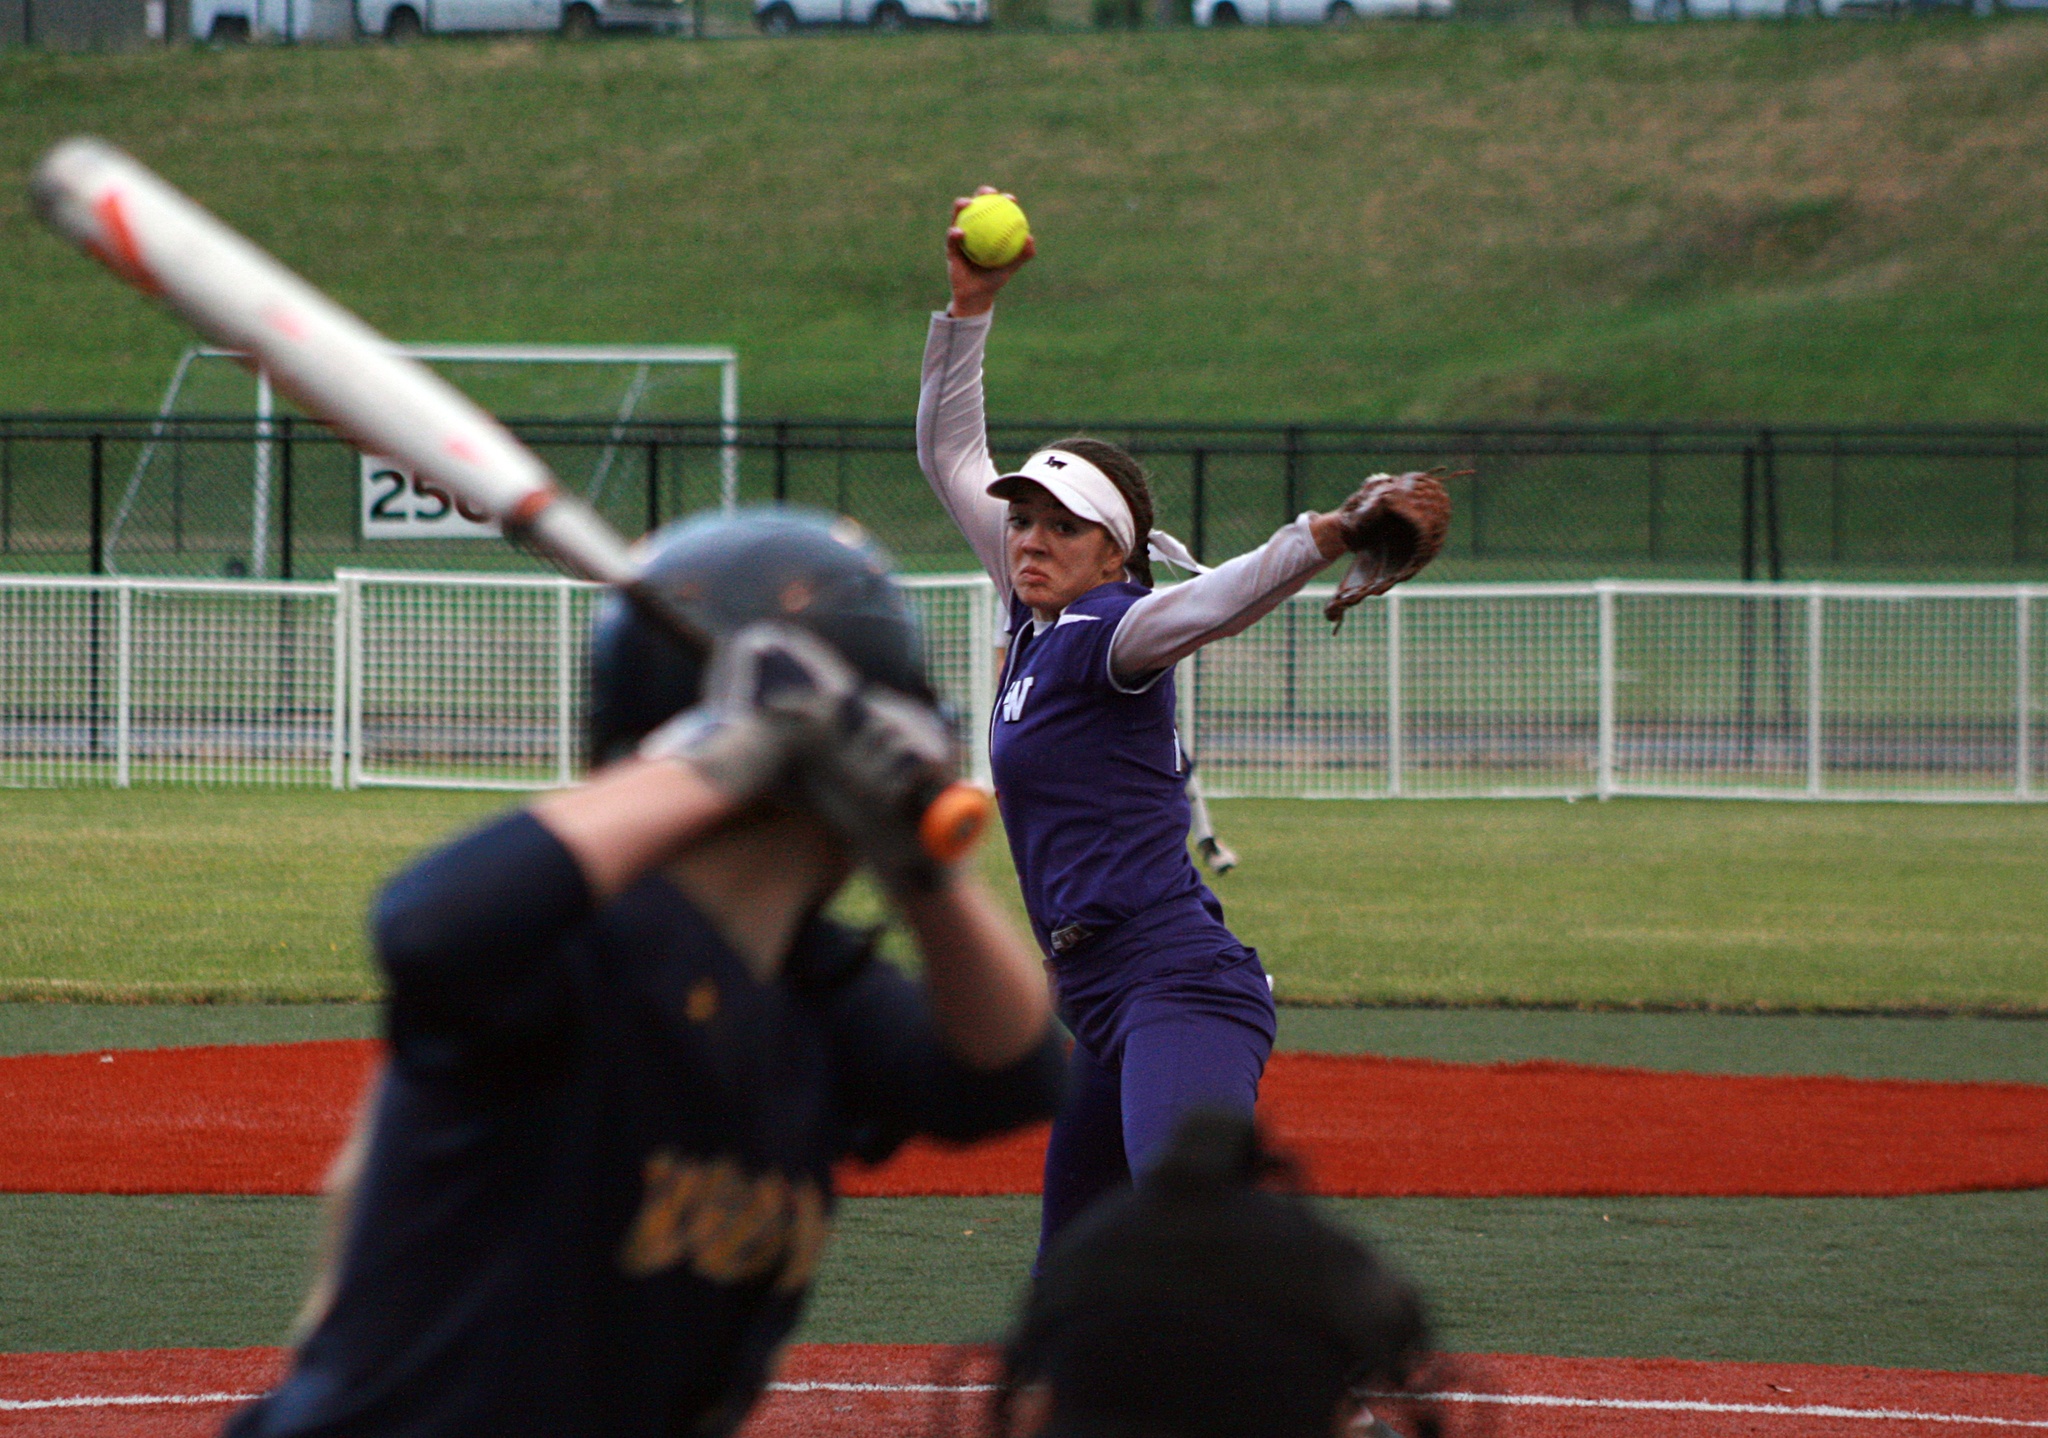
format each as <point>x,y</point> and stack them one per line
<point>229,498</point>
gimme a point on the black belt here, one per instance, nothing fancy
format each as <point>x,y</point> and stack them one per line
<point>1071,936</point>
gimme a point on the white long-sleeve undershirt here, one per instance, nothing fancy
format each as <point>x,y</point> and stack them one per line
<point>1166,625</point>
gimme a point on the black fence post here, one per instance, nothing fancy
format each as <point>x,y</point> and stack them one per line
<point>839,485</point>
<point>653,485</point>
<point>286,701</point>
<point>1656,516</point>
<point>781,461</point>
<point>284,498</point>
<point>95,565</point>
<point>2019,501</point>
<point>1774,558</point>
<point>1198,485</point>
<point>1749,512</point>
<point>1773,553</point>
<point>96,562</point>
<point>1475,509</point>
<point>1291,448</point>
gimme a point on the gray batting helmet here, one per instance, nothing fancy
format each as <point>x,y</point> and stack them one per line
<point>727,571</point>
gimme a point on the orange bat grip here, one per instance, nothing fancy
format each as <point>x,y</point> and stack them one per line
<point>954,822</point>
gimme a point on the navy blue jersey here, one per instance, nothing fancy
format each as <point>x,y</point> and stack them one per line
<point>601,1163</point>
<point>1089,775</point>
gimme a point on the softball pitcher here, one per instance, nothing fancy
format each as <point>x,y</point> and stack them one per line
<point>1168,1010</point>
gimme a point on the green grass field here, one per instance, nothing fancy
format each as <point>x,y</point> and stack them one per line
<point>165,894</point>
<point>170,894</point>
<point>1917,1283</point>
<point>1802,221</point>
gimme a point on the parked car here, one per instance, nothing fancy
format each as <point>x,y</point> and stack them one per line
<point>1731,9</point>
<point>404,19</point>
<point>1797,9</point>
<point>1312,12</point>
<point>273,19</point>
<point>780,17</point>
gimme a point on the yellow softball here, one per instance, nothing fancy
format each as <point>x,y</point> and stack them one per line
<point>992,230</point>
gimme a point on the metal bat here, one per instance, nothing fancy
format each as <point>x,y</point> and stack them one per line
<point>339,369</point>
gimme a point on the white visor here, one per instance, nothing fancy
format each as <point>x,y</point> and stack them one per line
<point>1077,484</point>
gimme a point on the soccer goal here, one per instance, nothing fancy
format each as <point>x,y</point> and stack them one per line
<point>200,495</point>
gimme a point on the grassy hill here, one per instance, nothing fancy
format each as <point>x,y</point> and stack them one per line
<point>1839,221</point>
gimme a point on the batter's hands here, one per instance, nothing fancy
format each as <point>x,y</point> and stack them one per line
<point>886,760</point>
<point>974,288</point>
<point>773,691</point>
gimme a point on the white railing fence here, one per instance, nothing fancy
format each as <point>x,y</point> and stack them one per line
<point>169,681</point>
<point>1811,691</point>
<point>1816,691</point>
<point>477,681</point>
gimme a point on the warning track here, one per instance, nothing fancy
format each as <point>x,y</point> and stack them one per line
<point>266,1118</point>
<point>886,1391</point>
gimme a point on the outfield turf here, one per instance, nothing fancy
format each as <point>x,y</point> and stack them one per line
<point>177,893</point>
<point>1837,222</point>
<point>246,894</point>
<point>1948,1283</point>
<point>1924,1282</point>
<point>1641,902</point>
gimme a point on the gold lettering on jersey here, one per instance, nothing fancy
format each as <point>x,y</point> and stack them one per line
<point>807,1236</point>
<point>701,1004</point>
<point>729,1225</point>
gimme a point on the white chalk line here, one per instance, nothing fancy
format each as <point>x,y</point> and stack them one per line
<point>1693,1405</point>
<point>1515,1400</point>
<point>120,1400</point>
<point>148,1400</point>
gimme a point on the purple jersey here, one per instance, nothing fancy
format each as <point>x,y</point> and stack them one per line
<point>1089,775</point>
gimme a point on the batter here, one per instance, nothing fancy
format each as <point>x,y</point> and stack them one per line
<point>626,1051</point>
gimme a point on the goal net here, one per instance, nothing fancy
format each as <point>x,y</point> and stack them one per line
<point>229,473</point>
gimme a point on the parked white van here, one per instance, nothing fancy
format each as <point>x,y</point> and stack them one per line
<point>404,19</point>
<point>1798,9</point>
<point>273,19</point>
<point>780,17</point>
<point>1312,12</point>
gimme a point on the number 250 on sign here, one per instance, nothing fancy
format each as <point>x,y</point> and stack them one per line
<point>398,504</point>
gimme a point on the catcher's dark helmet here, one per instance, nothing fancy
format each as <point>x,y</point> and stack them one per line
<point>1201,1305</point>
<point>727,571</point>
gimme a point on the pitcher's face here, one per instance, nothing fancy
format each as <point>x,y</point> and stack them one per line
<point>1055,556</point>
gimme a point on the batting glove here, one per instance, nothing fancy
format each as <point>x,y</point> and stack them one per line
<point>773,691</point>
<point>888,758</point>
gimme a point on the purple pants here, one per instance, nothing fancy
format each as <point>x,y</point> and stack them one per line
<point>1169,1013</point>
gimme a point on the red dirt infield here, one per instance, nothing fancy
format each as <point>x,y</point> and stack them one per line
<point>266,1118</point>
<point>877,1391</point>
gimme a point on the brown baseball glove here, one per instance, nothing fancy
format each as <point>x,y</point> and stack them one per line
<point>1393,525</point>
